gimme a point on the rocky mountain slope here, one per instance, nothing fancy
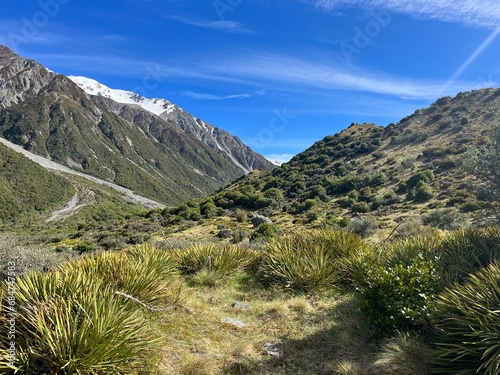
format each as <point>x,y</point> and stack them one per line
<point>51,116</point>
<point>228,146</point>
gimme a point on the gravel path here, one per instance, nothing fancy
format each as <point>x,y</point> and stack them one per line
<point>128,194</point>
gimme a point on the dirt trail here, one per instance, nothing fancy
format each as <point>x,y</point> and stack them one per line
<point>84,196</point>
<point>128,194</point>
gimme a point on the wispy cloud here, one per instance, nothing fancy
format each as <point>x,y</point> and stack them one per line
<point>288,73</point>
<point>302,72</point>
<point>226,26</point>
<point>204,96</point>
<point>483,13</point>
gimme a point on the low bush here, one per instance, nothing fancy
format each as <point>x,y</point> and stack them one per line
<point>265,231</point>
<point>468,325</point>
<point>363,227</point>
<point>392,297</point>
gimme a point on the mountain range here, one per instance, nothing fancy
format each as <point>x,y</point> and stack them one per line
<point>148,145</point>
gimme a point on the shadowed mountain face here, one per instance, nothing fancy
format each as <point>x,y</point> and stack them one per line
<point>48,114</point>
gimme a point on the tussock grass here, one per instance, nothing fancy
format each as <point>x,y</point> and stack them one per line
<point>210,263</point>
<point>466,250</point>
<point>311,262</point>
<point>404,354</point>
<point>468,325</point>
<point>68,323</point>
<point>142,272</point>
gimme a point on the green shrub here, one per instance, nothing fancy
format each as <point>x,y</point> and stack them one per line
<point>426,176</point>
<point>445,218</point>
<point>74,324</point>
<point>361,207</point>
<point>391,297</point>
<point>468,325</point>
<point>423,192</point>
<point>265,231</point>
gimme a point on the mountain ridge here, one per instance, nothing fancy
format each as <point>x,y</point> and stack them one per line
<point>51,116</point>
<point>221,141</point>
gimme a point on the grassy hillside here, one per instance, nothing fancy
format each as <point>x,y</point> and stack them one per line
<point>27,188</point>
<point>401,175</point>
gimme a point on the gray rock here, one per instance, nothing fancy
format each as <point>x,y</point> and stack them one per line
<point>259,219</point>
<point>225,233</point>
<point>273,350</point>
<point>241,306</point>
<point>234,322</point>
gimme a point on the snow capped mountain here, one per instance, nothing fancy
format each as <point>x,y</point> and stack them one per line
<point>227,145</point>
<point>92,87</point>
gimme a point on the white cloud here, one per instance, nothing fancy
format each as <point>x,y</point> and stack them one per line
<point>227,26</point>
<point>484,13</point>
<point>285,73</point>
<point>204,96</point>
<point>301,72</point>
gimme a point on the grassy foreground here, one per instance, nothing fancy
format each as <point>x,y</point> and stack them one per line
<point>318,302</point>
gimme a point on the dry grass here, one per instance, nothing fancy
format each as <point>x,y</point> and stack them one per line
<point>315,335</point>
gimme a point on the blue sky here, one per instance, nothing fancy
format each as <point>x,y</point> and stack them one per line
<point>278,74</point>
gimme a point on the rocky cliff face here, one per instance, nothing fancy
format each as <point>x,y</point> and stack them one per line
<point>48,114</point>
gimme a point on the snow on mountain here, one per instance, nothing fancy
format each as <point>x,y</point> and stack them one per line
<point>92,87</point>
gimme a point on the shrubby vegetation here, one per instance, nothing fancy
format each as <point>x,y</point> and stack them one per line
<point>419,304</point>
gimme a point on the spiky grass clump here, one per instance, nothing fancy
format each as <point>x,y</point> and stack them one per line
<point>69,323</point>
<point>467,250</point>
<point>468,325</point>
<point>300,264</point>
<point>345,247</point>
<point>403,354</point>
<point>217,260</point>
<point>142,272</point>
<point>405,250</point>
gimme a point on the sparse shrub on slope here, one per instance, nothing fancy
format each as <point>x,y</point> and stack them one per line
<point>468,325</point>
<point>266,231</point>
<point>445,218</point>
